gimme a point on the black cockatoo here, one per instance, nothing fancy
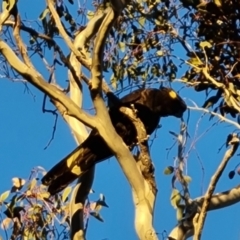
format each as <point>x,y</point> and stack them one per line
<point>151,104</point>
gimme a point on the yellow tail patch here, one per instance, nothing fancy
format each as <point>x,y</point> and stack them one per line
<point>76,170</point>
<point>72,160</point>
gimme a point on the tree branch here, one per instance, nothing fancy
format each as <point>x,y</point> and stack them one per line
<point>53,92</point>
<point>144,217</point>
<point>77,202</point>
<point>102,121</point>
<point>234,142</point>
<point>4,16</point>
<point>222,118</point>
<point>223,199</point>
<point>82,189</point>
<point>19,42</point>
<point>217,201</point>
<point>64,34</point>
<point>112,139</point>
<point>48,39</point>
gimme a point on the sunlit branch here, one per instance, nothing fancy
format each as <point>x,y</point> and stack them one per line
<point>234,142</point>
<point>64,34</point>
<point>222,118</point>
<point>53,92</point>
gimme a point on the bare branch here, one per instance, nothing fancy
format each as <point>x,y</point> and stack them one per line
<point>96,69</point>
<point>48,39</point>
<point>20,44</point>
<point>118,147</point>
<point>218,201</point>
<point>64,34</point>
<point>80,133</point>
<point>144,219</point>
<point>106,89</point>
<point>53,92</point>
<point>89,31</point>
<point>207,198</point>
<point>146,166</point>
<point>54,128</point>
<point>113,140</point>
<point>223,199</point>
<point>78,198</point>
<point>4,16</point>
<point>181,163</point>
<point>222,118</point>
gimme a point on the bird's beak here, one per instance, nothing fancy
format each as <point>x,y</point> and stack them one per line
<point>181,111</point>
<point>179,114</point>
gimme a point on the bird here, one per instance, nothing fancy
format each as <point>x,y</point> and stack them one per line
<point>150,104</point>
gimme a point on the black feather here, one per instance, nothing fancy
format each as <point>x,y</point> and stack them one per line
<point>151,104</point>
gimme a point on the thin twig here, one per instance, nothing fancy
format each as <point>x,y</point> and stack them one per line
<point>106,89</point>
<point>54,128</point>
<point>222,118</point>
<point>64,34</point>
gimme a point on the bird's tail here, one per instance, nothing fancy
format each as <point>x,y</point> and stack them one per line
<point>68,169</point>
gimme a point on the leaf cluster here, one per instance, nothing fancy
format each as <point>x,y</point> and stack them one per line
<point>29,212</point>
<point>215,34</point>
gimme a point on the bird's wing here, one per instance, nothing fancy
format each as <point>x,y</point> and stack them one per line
<point>132,97</point>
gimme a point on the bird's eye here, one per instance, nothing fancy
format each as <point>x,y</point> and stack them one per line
<point>172,94</point>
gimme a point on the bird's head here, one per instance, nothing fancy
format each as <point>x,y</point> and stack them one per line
<point>171,103</point>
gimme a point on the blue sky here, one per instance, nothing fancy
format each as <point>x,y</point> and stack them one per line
<point>25,131</point>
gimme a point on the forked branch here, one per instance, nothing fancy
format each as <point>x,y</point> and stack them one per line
<point>234,143</point>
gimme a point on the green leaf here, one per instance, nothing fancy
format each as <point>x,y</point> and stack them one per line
<point>97,216</point>
<point>205,44</point>
<point>44,196</point>
<point>175,198</point>
<point>142,21</point>
<point>91,191</point>
<point>28,234</point>
<point>231,174</point>
<point>122,46</point>
<point>32,184</point>
<point>98,207</point>
<point>90,15</point>
<point>174,134</point>
<point>100,203</point>
<point>18,183</point>
<point>159,53</point>
<point>6,223</point>
<point>187,179</point>
<point>4,196</point>
<point>65,193</point>
<point>172,76</point>
<point>211,101</point>
<point>48,219</point>
<point>113,81</point>
<point>195,61</point>
<point>43,14</point>
<point>179,212</point>
<point>168,170</point>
